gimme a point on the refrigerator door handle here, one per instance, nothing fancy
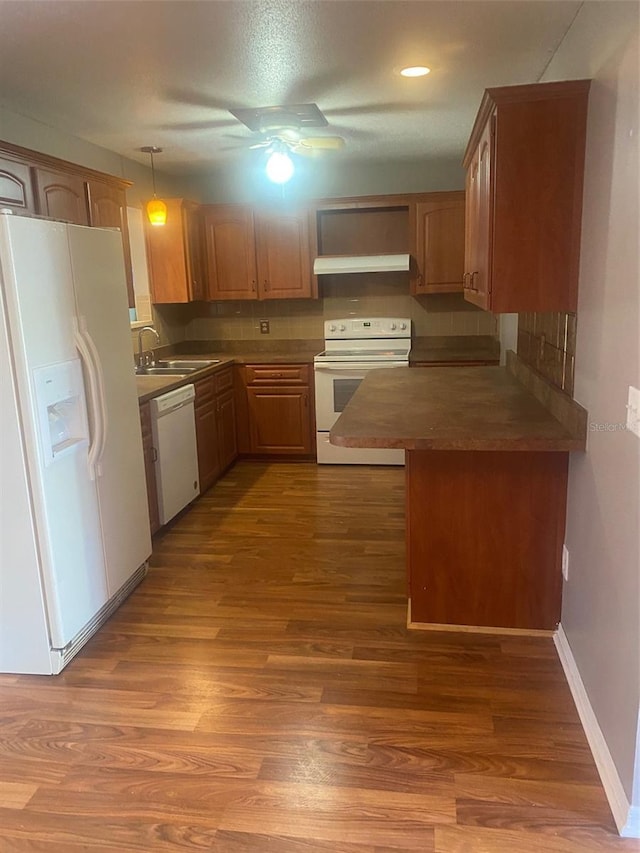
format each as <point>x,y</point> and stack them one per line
<point>91,361</point>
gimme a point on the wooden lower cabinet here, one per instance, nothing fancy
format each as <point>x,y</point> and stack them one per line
<point>484,537</point>
<point>215,426</point>
<point>275,410</point>
<point>279,420</point>
<point>149,453</point>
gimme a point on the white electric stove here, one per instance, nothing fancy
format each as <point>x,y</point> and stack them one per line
<point>353,347</point>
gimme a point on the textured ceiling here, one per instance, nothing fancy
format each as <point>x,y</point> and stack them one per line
<point>126,74</point>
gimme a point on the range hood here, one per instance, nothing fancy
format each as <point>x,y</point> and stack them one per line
<point>334,264</point>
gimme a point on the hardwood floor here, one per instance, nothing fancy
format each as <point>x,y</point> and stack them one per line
<point>260,692</point>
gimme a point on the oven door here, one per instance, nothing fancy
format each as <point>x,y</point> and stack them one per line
<point>336,383</point>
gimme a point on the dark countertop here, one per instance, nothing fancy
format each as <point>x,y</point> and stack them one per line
<point>450,408</point>
<point>153,386</point>
<point>473,348</point>
<point>431,350</point>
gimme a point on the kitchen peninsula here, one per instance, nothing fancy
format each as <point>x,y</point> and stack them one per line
<point>486,483</point>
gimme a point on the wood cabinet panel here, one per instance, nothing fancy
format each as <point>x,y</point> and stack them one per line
<point>16,187</point>
<point>215,426</point>
<point>32,183</point>
<point>525,170</point>
<point>149,453</point>
<point>108,209</point>
<point>283,255</point>
<point>275,414</point>
<point>439,246</point>
<point>499,564</point>
<point>226,425</point>
<point>368,231</point>
<point>207,441</point>
<point>279,420</point>
<point>230,252</point>
<point>270,374</point>
<point>61,196</point>
<point>174,252</point>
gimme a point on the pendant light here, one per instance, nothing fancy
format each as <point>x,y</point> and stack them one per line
<point>156,208</point>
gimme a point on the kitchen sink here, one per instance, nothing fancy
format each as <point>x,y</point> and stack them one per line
<point>165,371</point>
<point>196,364</point>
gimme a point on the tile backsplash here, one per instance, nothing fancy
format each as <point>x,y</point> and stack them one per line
<point>547,342</point>
<point>340,296</point>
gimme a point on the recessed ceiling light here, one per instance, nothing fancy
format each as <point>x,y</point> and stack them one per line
<point>415,71</point>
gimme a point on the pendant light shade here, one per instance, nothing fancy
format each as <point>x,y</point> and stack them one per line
<point>157,212</point>
<point>156,208</point>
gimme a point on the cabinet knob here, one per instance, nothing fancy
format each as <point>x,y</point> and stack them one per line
<point>266,284</point>
<point>253,285</point>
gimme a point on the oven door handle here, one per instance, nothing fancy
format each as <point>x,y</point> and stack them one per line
<point>360,365</point>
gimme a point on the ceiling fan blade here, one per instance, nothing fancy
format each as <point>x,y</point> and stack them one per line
<point>322,143</point>
<point>264,144</point>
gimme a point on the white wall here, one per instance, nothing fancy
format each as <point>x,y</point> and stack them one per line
<point>33,134</point>
<point>601,600</point>
<point>328,175</point>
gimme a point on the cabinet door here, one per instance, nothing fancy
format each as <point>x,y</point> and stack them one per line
<point>61,196</point>
<point>209,466</point>
<point>149,454</point>
<point>16,187</point>
<point>230,252</point>
<point>108,209</point>
<point>194,240</point>
<point>477,285</point>
<point>226,426</point>
<point>440,247</point>
<point>284,256</point>
<point>280,420</point>
<point>167,254</point>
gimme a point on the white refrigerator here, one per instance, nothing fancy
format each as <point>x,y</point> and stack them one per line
<point>74,524</point>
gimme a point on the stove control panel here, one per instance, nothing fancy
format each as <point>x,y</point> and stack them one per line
<point>352,328</point>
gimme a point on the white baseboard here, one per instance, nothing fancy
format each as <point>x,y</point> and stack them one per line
<point>627,818</point>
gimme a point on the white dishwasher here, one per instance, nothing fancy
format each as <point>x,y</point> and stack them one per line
<point>174,438</point>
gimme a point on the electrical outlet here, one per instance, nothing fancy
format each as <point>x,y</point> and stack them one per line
<point>633,410</point>
<point>565,562</point>
<point>264,327</point>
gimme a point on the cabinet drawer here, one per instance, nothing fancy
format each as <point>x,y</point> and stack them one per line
<point>276,374</point>
<point>223,380</point>
<point>205,391</point>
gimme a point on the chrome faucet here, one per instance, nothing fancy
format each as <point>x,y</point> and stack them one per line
<point>146,358</point>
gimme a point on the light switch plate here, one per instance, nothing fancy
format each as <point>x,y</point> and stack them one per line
<point>633,410</point>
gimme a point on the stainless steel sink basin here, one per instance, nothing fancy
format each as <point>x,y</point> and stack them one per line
<point>187,363</point>
<point>165,371</point>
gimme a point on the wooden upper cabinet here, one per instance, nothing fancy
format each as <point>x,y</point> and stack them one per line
<point>525,170</point>
<point>61,196</point>
<point>283,255</point>
<point>230,252</point>
<point>438,249</point>
<point>174,252</point>
<point>16,187</point>
<point>108,209</point>
<point>477,274</point>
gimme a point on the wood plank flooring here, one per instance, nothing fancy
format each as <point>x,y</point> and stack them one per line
<point>260,692</point>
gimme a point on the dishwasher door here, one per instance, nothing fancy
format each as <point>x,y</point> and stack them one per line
<point>174,438</point>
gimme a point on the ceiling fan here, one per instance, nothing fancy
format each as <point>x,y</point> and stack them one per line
<point>284,128</point>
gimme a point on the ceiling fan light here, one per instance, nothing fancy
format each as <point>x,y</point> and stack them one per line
<point>157,212</point>
<point>415,71</point>
<point>280,167</point>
